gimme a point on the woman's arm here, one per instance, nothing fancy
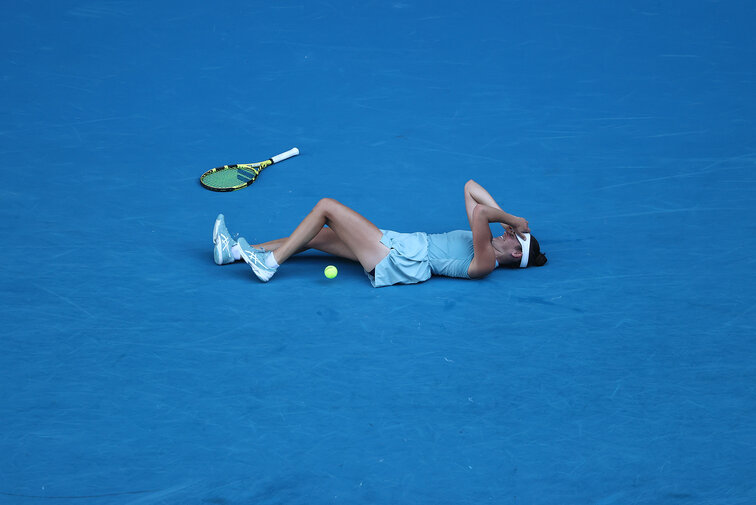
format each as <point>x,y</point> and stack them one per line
<point>484,258</point>
<point>476,194</point>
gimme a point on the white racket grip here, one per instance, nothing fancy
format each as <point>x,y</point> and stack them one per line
<point>285,156</point>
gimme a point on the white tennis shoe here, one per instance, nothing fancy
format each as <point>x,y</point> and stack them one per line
<point>223,242</point>
<point>255,258</point>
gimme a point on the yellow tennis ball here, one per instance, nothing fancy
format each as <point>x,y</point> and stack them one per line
<point>331,271</point>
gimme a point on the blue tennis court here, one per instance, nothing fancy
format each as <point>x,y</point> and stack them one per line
<point>134,370</point>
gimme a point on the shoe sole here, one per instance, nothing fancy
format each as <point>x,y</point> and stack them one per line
<point>218,247</point>
<point>218,221</point>
<point>218,254</point>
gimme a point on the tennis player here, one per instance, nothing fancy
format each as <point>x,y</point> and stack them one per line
<point>389,257</point>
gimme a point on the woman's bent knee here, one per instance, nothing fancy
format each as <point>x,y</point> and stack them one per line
<point>327,205</point>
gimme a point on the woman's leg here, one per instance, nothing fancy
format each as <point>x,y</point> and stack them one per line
<point>326,241</point>
<point>356,233</point>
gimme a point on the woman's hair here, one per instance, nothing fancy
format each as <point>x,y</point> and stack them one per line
<point>536,257</point>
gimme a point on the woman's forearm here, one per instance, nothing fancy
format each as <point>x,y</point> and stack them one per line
<point>496,215</point>
<point>480,195</point>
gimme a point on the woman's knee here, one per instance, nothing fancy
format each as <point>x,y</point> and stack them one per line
<point>327,205</point>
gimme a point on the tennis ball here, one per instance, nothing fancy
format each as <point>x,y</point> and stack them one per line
<point>331,271</point>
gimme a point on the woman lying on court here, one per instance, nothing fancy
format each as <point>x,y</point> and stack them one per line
<point>389,257</point>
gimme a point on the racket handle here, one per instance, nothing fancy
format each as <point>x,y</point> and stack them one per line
<point>285,156</point>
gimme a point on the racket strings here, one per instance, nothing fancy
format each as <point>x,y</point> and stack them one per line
<point>232,177</point>
<point>246,174</point>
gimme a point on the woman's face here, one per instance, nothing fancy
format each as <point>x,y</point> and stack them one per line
<point>507,248</point>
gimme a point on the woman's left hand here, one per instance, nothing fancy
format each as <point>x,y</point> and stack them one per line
<point>521,227</point>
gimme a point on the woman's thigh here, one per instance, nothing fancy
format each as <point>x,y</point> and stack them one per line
<point>328,242</point>
<point>358,234</point>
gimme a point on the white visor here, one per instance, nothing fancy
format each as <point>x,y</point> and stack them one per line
<point>525,249</point>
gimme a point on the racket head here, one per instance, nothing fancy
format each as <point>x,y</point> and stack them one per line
<point>232,177</point>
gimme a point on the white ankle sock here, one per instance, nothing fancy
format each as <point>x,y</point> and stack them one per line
<point>236,252</point>
<point>270,261</point>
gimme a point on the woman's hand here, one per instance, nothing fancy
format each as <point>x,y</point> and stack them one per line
<point>519,226</point>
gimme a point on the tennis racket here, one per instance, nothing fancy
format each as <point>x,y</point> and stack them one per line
<point>233,177</point>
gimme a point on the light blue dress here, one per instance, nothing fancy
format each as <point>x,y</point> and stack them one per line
<point>414,257</point>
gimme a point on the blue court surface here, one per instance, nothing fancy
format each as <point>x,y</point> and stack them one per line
<point>136,371</point>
